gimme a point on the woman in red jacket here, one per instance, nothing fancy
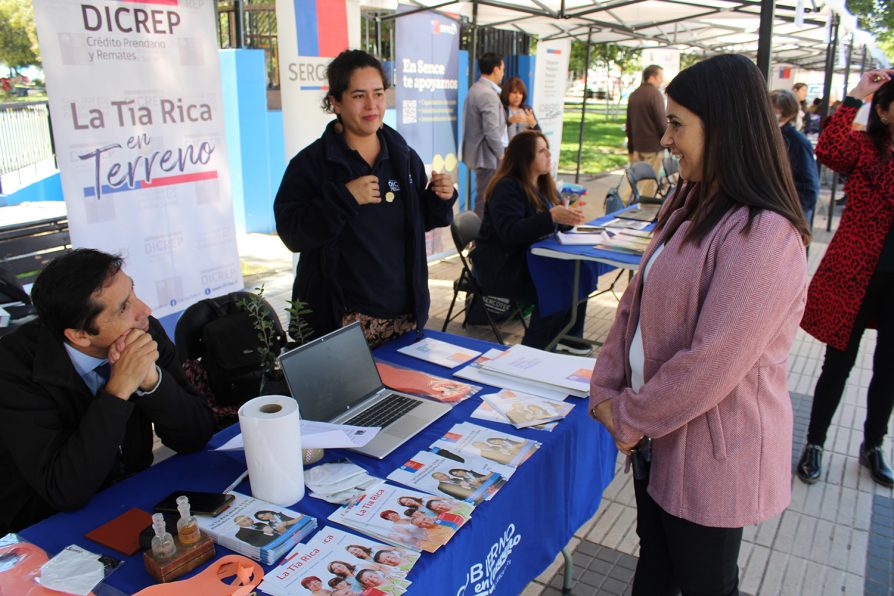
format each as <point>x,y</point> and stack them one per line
<point>854,285</point>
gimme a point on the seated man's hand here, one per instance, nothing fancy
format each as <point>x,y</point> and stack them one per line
<point>132,358</point>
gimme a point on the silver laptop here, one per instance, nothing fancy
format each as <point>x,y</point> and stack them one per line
<point>334,379</point>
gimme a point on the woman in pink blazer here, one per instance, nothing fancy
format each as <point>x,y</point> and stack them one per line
<point>696,360</point>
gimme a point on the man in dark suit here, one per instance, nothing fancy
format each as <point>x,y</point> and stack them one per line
<point>81,388</point>
<point>485,135</point>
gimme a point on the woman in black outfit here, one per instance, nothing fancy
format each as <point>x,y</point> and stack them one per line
<point>522,206</point>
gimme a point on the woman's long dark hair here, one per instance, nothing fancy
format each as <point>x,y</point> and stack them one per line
<point>879,132</point>
<point>516,163</point>
<point>744,159</point>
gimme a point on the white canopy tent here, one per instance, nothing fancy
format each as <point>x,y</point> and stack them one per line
<point>800,33</point>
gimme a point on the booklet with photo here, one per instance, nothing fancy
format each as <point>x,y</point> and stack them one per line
<point>468,478</point>
<point>385,513</point>
<point>257,529</point>
<point>525,410</point>
<point>486,412</point>
<point>424,385</point>
<point>474,371</point>
<point>466,438</point>
<point>628,224</point>
<point>439,352</point>
<point>340,563</point>
<point>571,373</point>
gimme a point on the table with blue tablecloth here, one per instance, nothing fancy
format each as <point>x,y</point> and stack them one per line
<point>565,275</point>
<point>507,543</point>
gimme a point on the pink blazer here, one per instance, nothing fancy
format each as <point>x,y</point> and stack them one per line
<point>717,321</point>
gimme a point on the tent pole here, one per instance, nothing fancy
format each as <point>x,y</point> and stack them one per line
<point>473,56</point>
<point>824,106</point>
<point>583,108</point>
<point>765,38</point>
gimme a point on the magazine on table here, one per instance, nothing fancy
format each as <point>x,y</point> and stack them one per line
<point>474,371</point>
<point>466,438</point>
<point>525,410</point>
<point>424,385</point>
<point>257,529</point>
<point>463,477</point>
<point>629,224</point>
<point>486,412</point>
<point>439,352</point>
<point>335,560</point>
<point>384,513</point>
<point>647,214</point>
<point>571,373</point>
<point>624,241</point>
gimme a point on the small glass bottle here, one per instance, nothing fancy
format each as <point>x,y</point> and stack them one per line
<point>163,545</point>
<point>187,526</point>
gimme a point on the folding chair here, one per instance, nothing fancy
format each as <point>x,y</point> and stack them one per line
<point>640,171</point>
<point>671,168</point>
<point>464,230</point>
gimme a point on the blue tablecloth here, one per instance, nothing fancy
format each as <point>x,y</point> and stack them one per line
<point>553,278</point>
<point>529,521</point>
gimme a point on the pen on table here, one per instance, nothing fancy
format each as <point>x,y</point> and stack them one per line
<point>236,482</point>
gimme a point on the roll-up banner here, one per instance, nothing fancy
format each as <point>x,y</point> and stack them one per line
<point>426,89</point>
<point>311,33</point>
<point>135,98</point>
<point>549,92</point>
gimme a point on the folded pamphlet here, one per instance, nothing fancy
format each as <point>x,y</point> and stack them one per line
<point>571,373</point>
<point>475,371</point>
<point>439,352</point>
<point>465,477</point>
<point>524,410</point>
<point>466,438</point>
<point>486,412</point>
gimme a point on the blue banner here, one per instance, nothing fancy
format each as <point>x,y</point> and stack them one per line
<point>426,73</point>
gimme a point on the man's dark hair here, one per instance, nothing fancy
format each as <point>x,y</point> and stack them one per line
<point>798,86</point>
<point>340,70</point>
<point>63,292</point>
<point>488,62</point>
<point>653,70</point>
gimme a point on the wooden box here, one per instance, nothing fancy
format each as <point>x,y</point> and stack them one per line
<point>187,558</point>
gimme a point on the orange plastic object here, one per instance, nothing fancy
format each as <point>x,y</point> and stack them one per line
<point>20,580</point>
<point>210,582</point>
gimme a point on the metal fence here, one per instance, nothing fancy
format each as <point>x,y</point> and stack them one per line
<point>25,137</point>
<point>250,25</point>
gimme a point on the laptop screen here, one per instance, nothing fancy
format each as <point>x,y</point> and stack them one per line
<point>331,374</point>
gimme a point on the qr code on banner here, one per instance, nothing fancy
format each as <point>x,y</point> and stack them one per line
<point>409,111</point>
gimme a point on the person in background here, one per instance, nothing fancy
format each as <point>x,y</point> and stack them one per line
<point>700,366</point>
<point>484,134</point>
<point>645,126</point>
<point>800,152</point>
<point>519,115</point>
<point>522,206</point>
<point>800,92</point>
<point>853,288</point>
<point>83,387</point>
<point>356,204</point>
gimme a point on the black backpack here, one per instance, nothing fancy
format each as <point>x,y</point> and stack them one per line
<point>219,334</point>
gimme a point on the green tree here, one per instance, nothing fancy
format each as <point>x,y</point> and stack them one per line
<point>877,17</point>
<point>626,59</point>
<point>18,35</point>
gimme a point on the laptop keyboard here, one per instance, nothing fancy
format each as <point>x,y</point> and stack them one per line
<point>385,412</point>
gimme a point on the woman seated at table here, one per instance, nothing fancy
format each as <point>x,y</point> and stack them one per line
<point>522,206</point>
<point>356,204</point>
<point>519,115</point>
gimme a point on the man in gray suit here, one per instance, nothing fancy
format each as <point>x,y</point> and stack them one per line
<point>484,125</point>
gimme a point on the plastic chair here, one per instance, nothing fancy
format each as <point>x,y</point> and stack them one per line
<point>671,168</point>
<point>638,172</point>
<point>464,230</point>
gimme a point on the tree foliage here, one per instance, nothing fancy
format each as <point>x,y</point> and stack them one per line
<point>626,59</point>
<point>18,34</point>
<point>877,17</point>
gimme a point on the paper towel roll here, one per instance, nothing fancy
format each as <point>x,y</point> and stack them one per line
<point>271,430</point>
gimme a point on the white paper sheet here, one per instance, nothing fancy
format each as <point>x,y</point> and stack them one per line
<point>321,435</point>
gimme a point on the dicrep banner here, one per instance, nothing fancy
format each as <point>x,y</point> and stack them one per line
<point>311,33</point>
<point>549,92</point>
<point>135,99</point>
<point>426,92</point>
